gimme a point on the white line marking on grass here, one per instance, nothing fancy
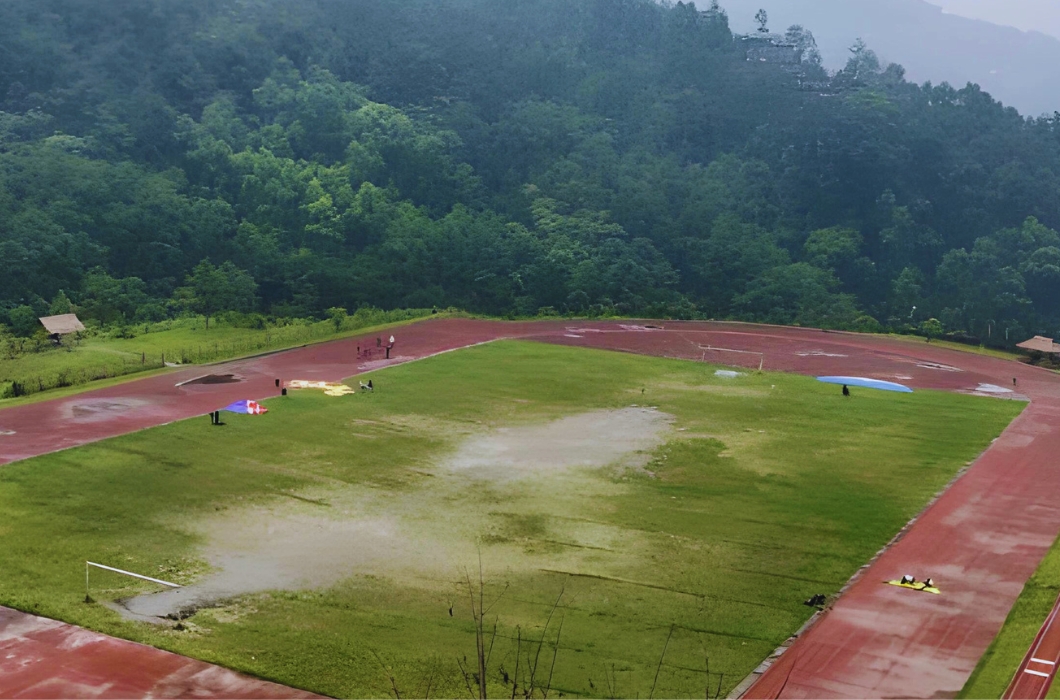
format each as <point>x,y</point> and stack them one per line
<point>742,352</point>
<point>129,573</point>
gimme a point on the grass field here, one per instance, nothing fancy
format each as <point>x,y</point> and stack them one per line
<point>999,663</point>
<point>104,356</point>
<point>748,496</point>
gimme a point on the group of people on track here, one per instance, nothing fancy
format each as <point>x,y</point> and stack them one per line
<point>379,346</point>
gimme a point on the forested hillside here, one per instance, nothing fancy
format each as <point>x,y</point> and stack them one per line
<point>575,156</point>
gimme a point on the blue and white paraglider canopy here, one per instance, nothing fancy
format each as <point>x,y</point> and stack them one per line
<point>867,383</point>
<point>248,408</point>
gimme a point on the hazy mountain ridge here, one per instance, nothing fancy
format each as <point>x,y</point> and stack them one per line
<point>1015,67</point>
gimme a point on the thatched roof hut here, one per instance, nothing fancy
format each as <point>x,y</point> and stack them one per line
<point>62,325</point>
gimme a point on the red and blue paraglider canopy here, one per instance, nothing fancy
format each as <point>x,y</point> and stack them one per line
<point>867,383</point>
<point>249,408</point>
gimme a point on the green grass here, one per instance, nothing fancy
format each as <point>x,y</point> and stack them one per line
<point>1002,659</point>
<point>103,357</point>
<point>770,488</point>
<point>94,359</point>
<point>962,347</point>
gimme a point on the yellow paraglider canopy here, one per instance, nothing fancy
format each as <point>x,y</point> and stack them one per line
<point>330,389</point>
<point>915,586</point>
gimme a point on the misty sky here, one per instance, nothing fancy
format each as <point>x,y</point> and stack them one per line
<point>1039,15</point>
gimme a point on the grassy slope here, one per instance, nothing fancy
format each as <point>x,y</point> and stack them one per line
<point>185,338</point>
<point>94,356</point>
<point>777,488</point>
<point>1001,660</point>
<point>962,347</point>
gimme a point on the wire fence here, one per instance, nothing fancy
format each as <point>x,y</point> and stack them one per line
<point>265,340</point>
<point>33,383</point>
<point>286,336</point>
<point>249,342</point>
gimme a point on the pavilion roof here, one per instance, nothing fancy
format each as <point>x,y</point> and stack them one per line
<point>1040,344</point>
<point>62,325</point>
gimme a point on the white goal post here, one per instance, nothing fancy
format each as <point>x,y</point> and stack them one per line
<point>125,573</point>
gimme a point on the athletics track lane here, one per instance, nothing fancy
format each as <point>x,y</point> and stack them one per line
<point>46,659</point>
<point>1038,669</point>
<point>980,541</point>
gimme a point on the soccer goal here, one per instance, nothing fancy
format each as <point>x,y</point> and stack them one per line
<point>91,564</point>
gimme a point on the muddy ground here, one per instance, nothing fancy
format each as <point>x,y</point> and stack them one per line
<point>500,493</point>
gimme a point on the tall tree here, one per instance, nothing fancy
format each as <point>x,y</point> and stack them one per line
<point>213,289</point>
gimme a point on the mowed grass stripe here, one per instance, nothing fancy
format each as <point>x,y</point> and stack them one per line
<point>766,489</point>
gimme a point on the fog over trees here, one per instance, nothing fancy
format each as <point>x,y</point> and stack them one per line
<point>589,157</point>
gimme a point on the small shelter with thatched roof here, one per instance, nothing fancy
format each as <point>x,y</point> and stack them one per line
<point>58,326</point>
<point>1038,343</point>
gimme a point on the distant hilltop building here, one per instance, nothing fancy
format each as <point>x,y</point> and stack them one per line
<point>711,14</point>
<point>763,47</point>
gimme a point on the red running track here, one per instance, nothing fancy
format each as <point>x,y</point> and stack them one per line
<point>46,659</point>
<point>1038,669</point>
<point>980,541</point>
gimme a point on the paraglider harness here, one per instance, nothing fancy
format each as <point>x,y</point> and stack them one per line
<point>910,582</point>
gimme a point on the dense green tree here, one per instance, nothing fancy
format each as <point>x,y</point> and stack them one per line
<point>60,304</point>
<point>931,328</point>
<point>800,293</point>
<point>835,249</point>
<point>587,157</point>
<point>110,300</point>
<point>211,289</point>
<point>23,321</point>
